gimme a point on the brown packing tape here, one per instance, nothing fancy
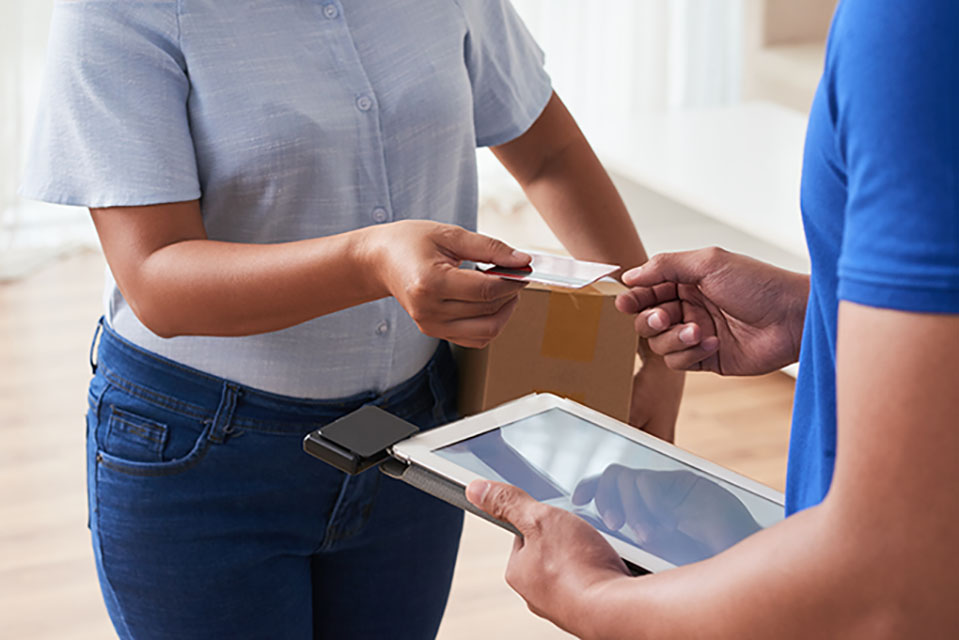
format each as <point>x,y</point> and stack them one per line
<point>572,326</point>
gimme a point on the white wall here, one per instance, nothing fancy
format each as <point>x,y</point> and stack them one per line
<point>30,233</point>
<point>613,59</point>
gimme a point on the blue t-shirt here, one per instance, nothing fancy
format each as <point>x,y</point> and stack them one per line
<point>880,197</point>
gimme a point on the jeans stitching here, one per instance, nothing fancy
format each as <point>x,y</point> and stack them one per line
<point>139,429</point>
<point>99,538</point>
<point>159,399</point>
<point>329,536</point>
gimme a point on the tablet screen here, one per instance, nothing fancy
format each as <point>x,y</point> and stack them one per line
<point>623,488</point>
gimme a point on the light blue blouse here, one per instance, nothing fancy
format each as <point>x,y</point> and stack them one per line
<point>289,119</point>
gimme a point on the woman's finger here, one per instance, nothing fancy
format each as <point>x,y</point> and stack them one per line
<point>468,285</point>
<point>477,332</point>
<point>468,245</point>
<point>457,310</point>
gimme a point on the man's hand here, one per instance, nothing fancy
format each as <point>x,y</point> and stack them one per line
<point>417,262</point>
<point>711,310</point>
<point>560,565</point>
<point>662,508</point>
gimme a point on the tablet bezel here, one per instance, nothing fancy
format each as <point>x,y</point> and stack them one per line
<point>420,450</point>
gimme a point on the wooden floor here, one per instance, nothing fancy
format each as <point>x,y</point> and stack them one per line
<point>48,585</point>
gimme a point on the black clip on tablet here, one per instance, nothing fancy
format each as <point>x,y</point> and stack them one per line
<point>362,439</point>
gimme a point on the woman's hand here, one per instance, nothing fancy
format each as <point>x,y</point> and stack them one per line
<point>417,262</point>
<point>561,564</point>
<point>711,310</point>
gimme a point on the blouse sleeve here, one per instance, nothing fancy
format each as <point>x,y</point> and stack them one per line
<point>510,86</point>
<point>112,128</point>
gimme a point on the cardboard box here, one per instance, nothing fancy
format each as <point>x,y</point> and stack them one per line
<point>573,343</point>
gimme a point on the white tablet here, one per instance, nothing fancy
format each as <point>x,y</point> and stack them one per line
<point>657,505</point>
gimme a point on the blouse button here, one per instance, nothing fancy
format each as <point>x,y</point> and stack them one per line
<point>364,103</point>
<point>330,11</point>
<point>379,214</point>
<point>383,328</point>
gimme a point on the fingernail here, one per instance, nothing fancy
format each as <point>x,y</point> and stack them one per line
<point>519,255</point>
<point>632,273</point>
<point>656,321</point>
<point>687,335</point>
<point>477,490</point>
<point>710,343</point>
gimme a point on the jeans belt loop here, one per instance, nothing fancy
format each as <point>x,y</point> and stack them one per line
<point>95,346</point>
<point>223,419</point>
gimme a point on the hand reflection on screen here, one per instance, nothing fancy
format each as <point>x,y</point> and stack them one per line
<point>679,515</point>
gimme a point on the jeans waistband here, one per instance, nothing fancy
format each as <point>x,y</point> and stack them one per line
<point>176,387</point>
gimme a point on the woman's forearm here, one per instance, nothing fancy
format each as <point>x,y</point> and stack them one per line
<point>586,213</point>
<point>179,282</point>
<point>206,287</point>
<point>564,180</point>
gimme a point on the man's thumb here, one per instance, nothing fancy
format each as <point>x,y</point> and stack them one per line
<point>684,267</point>
<point>502,501</point>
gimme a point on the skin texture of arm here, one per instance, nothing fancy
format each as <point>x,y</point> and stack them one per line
<point>179,282</point>
<point>876,559</point>
<point>562,177</point>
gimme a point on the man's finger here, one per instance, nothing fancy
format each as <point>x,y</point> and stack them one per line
<point>585,491</point>
<point>504,502</point>
<point>694,359</point>
<point>653,322</point>
<point>677,338</point>
<point>608,501</point>
<point>687,267</point>
<point>639,298</point>
<point>637,514</point>
<point>466,245</point>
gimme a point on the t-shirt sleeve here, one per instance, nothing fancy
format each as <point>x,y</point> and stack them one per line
<point>505,65</point>
<point>112,128</point>
<point>895,102</point>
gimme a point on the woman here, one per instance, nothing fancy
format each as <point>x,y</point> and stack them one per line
<point>283,192</point>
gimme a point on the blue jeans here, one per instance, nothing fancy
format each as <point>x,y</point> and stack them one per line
<point>209,521</point>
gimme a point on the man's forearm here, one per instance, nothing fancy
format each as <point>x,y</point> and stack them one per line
<point>829,588</point>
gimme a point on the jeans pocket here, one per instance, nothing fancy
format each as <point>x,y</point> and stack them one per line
<point>134,437</point>
<point>141,438</point>
<point>162,468</point>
